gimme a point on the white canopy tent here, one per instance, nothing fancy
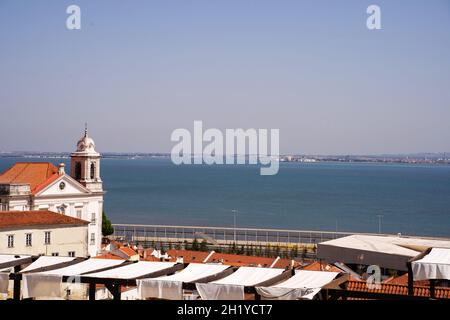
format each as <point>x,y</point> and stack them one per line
<point>5,258</point>
<point>86,266</point>
<point>392,252</point>
<point>4,282</point>
<point>7,262</point>
<point>232,287</point>
<point>46,261</point>
<point>303,285</point>
<point>131,271</point>
<point>48,283</point>
<point>171,287</point>
<point>435,265</point>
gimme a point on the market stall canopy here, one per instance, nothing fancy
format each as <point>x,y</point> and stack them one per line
<point>89,265</point>
<point>10,260</point>
<point>392,252</point>
<point>232,287</point>
<point>435,265</point>
<point>48,283</point>
<point>132,271</point>
<point>47,262</point>
<point>303,285</point>
<point>171,287</point>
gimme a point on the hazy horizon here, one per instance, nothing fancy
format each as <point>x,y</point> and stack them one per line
<point>446,153</point>
<point>137,71</point>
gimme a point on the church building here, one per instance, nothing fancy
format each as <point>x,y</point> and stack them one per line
<point>31,186</point>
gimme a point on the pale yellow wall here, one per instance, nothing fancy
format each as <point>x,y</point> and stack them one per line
<point>63,240</point>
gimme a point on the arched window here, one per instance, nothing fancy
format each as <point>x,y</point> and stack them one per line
<point>77,171</point>
<point>92,171</point>
<point>62,209</point>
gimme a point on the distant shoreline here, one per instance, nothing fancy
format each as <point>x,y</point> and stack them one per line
<point>419,158</point>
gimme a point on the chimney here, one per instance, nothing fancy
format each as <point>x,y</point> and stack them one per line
<point>61,170</point>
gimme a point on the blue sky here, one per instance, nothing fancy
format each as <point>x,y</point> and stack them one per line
<point>137,70</point>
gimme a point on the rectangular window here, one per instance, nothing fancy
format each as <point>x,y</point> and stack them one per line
<point>10,241</point>
<point>71,253</point>
<point>55,254</point>
<point>28,240</point>
<point>93,218</point>
<point>47,237</point>
<point>79,212</point>
<point>92,238</point>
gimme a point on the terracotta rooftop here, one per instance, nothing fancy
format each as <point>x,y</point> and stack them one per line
<point>128,251</point>
<point>318,266</point>
<point>285,263</point>
<point>153,258</point>
<point>188,255</point>
<point>227,259</point>
<point>238,260</point>
<point>37,174</point>
<point>10,219</point>
<point>399,289</point>
<point>403,279</point>
<point>108,256</point>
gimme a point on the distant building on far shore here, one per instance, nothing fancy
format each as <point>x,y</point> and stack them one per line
<point>42,233</point>
<point>42,186</point>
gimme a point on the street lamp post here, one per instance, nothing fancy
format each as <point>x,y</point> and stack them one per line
<point>380,217</point>
<point>234,223</point>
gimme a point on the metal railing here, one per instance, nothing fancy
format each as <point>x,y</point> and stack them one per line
<point>217,235</point>
<point>221,235</point>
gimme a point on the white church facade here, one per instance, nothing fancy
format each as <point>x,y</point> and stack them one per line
<point>28,186</point>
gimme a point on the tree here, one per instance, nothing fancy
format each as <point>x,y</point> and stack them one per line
<point>304,252</point>
<point>268,250</point>
<point>294,251</point>
<point>233,248</point>
<point>107,228</point>
<point>195,245</point>
<point>204,245</point>
<point>277,250</point>
<point>259,251</point>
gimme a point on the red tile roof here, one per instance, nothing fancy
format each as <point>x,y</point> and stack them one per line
<point>128,251</point>
<point>404,280</point>
<point>398,289</point>
<point>108,256</point>
<point>285,263</point>
<point>153,258</point>
<point>188,255</point>
<point>10,219</point>
<point>225,258</point>
<point>238,260</point>
<point>318,266</point>
<point>37,174</point>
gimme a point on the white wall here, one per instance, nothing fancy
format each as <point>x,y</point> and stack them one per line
<point>88,205</point>
<point>74,197</point>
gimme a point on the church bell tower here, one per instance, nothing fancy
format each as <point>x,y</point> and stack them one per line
<point>85,164</point>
